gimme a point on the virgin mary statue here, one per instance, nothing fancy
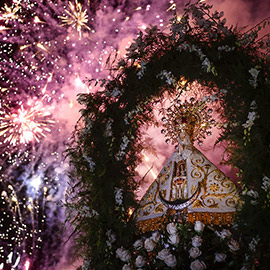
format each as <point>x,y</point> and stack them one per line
<point>188,185</point>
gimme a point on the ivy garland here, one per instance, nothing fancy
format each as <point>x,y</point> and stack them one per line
<point>108,141</point>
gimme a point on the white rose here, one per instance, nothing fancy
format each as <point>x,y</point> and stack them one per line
<point>254,72</point>
<point>198,226</point>
<point>233,245</point>
<point>171,261</point>
<point>163,254</point>
<point>140,261</point>
<point>194,252</point>
<point>197,265</point>
<point>126,267</point>
<point>123,254</point>
<point>138,244</point>
<point>220,257</point>
<point>196,241</point>
<point>224,233</point>
<point>172,228</point>
<point>174,239</point>
<point>111,237</point>
<point>149,244</point>
<point>155,236</point>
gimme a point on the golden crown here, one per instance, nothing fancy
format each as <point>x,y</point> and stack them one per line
<point>193,118</point>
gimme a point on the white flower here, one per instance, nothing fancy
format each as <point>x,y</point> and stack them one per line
<point>220,257</point>
<point>254,202</point>
<point>233,245</point>
<point>108,130</point>
<point>223,91</point>
<point>118,195</point>
<point>254,72</point>
<point>164,74</point>
<point>196,241</point>
<point>126,267</point>
<point>123,254</point>
<point>174,239</point>
<point>90,162</point>
<point>155,236</point>
<point>224,233</point>
<point>172,228</point>
<point>266,183</point>
<point>194,252</point>
<point>123,146</point>
<point>206,65</point>
<point>198,226</point>
<point>252,116</point>
<point>149,244</point>
<point>171,261</point>
<point>183,46</point>
<point>86,264</point>
<point>85,211</point>
<point>197,265</point>
<point>253,244</point>
<point>138,244</point>
<point>253,105</point>
<point>225,48</point>
<point>113,93</point>
<point>141,72</point>
<point>252,193</point>
<point>111,238</point>
<point>163,254</point>
<point>140,261</point>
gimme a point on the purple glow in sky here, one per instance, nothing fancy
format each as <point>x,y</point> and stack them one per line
<point>48,49</point>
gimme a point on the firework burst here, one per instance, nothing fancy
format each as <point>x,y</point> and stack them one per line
<point>25,125</point>
<point>77,17</point>
<point>9,13</point>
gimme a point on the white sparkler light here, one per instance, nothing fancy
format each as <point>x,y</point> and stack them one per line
<point>36,182</point>
<point>9,258</point>
<point>27,265</point>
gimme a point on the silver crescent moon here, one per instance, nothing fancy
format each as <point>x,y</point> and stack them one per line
<point>181,204</point>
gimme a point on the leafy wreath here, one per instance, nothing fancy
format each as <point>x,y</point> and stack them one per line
<point>108,140</point>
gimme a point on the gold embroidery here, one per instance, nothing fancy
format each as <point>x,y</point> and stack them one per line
<point>179,179</point>
<point>159,208</point>
<point>212,218</point>
<point>209,193</point>
<point>209,218</point>
<point>214,187</point>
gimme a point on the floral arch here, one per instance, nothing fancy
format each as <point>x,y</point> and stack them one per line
<point>108,142</point>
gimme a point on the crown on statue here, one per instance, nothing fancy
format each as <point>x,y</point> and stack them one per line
<point>193,118</point>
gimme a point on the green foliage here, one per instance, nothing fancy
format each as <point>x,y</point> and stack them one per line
<point>107,142</point>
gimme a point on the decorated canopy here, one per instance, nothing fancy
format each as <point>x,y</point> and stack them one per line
<point>189,184</point>
<point>186,173</point>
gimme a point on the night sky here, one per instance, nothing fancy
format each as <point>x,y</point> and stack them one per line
<point>45,59</point>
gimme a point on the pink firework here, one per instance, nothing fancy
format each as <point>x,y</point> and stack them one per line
<point>25,125</point>
<point>27,265</point>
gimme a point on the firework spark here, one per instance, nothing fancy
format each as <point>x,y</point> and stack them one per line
<point>25,125</point>
<point>27,265</point>
<point>9,13</point>
<point>77,17</point>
